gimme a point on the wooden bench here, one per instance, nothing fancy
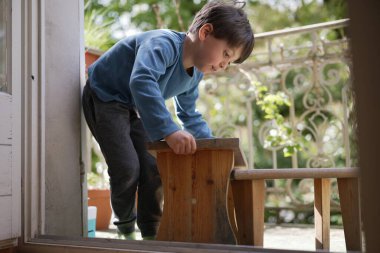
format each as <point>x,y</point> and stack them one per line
<point>195,191</point>
<point>199,205</point>
<point>248,187</point>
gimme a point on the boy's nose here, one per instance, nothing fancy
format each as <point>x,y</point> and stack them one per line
<point>223,65</point>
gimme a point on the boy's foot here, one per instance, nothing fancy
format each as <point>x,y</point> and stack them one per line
<point>129,236</point>
<point>149,238</point>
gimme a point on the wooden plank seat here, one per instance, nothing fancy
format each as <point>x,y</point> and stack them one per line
<point>195,191</point>
<point>248,189</point>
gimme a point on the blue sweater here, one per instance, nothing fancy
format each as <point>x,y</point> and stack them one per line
<point>144,70</point>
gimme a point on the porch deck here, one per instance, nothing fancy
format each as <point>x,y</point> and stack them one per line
<point>294,237</point>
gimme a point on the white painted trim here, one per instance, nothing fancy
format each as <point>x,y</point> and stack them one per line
<point>16,117</point>
<point>35,148</point>
<point>31,119</point>
<point>85,132</point>
<point>32,112</point>
<point>42,100</point>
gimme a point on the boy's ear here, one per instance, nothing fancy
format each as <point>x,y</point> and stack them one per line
<point>205,30</point>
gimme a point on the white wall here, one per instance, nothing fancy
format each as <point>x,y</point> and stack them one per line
<point>62,128</point>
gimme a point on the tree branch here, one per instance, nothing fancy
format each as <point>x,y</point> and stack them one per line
<point>156,9</point>
<point>177,4</point>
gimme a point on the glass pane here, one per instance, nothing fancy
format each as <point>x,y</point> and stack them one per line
<point>3,46</point>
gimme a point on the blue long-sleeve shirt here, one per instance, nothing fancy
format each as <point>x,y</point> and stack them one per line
<point>143,71</point>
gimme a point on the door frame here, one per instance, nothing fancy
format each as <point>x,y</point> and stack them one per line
<point>32,159</point>
<point>30,102</point>
<point>15,83</point>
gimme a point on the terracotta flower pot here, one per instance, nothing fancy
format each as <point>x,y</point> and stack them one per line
<point>101,199</point>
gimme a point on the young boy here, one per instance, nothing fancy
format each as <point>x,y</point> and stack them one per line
<point>124,103</point>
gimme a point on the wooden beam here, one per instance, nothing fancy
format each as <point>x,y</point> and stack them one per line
<point>249,200</point>
<point>322,213</point>
<point>240,174</point>
<point>349,204</point>
<point>365,41</point>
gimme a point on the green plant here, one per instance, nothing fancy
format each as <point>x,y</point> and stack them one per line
<point>97,31</point>
<point>281,133</point>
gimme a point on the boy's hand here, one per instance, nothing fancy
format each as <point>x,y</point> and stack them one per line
<point>181,142</point>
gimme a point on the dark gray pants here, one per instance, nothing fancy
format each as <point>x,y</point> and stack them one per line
<point>121,137</point>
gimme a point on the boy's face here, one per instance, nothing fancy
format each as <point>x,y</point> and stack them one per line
<point>213,54</point>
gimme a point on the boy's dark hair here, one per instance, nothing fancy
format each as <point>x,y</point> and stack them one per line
<point>229,23</point>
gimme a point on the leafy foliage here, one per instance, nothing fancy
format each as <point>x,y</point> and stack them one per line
<point>281,134</point>
<point>97,31</point>
<point>112,19</point>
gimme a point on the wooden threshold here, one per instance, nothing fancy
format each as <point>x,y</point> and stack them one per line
<point>57,244</point>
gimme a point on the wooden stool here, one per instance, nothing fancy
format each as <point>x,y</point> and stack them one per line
<point>248,189</point>
<point>195,191</point>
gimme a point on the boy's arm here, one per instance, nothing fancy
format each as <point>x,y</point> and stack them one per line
<point>185,105</point>
<point>151,62</point>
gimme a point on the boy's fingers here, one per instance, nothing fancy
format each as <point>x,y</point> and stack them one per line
<point>187,148</point>
<point>181,142</point>
<point>193,146</point>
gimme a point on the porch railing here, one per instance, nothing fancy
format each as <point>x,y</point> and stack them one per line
<point>310,65</point>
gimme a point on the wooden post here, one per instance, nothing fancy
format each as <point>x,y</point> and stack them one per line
<point>249,200</point>
<point>349,204</point>
<point>322,212</point>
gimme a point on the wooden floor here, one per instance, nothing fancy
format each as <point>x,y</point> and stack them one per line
<point>277,239</point>
<point>12,250</point>
<point>287,237</point>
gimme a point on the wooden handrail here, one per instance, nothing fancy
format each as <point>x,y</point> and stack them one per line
<point>302,29</point>
<point>244,174</point>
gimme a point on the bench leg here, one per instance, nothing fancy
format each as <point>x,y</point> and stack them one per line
<point>231,211</point>
<point>349,204</point>
<point>322,213</point>
<point>249,199</point>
